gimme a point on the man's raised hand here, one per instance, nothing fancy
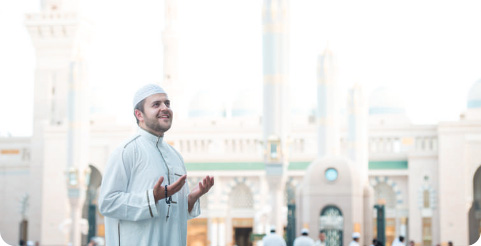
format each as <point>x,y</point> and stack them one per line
<point>199,190</point>
<point>203,187</point>
<point>159,189</point>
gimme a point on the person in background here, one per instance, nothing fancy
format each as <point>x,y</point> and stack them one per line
<point>355,239</point>
<point>322,239</point>
<point>304,239</point>
<point>272,239</point>
<point>399,241</point>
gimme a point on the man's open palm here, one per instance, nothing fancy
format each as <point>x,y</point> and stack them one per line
<point>203,187</point>
<point>159,189</point>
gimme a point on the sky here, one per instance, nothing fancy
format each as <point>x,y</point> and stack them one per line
<point>428,51</point>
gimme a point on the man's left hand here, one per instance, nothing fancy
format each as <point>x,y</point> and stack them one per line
<point>202,188</point>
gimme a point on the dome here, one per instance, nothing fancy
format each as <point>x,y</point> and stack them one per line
<point>474,95</point>
<point>205,104</point>
<point>385,101</point>
<point>247,103</point>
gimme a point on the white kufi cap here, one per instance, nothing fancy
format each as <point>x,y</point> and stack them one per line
<point>304,231</point>
<point>356,235</point>
<point>147,91</point>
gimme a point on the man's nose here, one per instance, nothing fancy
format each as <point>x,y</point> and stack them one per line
<point>163,107</point>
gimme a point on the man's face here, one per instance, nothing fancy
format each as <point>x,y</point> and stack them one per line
<point>322,237</point>
<point>157,116</point>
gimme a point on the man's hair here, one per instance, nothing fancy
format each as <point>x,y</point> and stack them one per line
<point>401,238</point>
<point>140,107</point>
<point>305,233</point>
<point>273,230</point>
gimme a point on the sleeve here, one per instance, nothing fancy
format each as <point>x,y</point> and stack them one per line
<point>114,200</point>
<point>195,210</point>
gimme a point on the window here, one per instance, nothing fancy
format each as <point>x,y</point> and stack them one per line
<point>426,199</point>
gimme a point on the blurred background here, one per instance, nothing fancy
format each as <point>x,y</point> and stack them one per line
<point>380,100</point>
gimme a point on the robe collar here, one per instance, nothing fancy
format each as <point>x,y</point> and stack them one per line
<point>150,137</point>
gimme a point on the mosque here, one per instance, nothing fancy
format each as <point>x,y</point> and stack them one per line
<point>323,171</point>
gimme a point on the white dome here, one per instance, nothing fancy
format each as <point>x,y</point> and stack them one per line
<point>385,101</point>
<point>247,103</point>
<point>474,95</point>
<point>205,104</point>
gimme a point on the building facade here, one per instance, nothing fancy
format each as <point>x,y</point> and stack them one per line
<point>427,176</point>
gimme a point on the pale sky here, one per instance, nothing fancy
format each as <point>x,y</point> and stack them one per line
<point>430,51</point>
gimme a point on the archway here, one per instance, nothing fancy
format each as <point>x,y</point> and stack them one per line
<point>385,194</point>
<point>474,215</point>
<point>89,210</point>
<point>241,202</point>
<point>332,223</point>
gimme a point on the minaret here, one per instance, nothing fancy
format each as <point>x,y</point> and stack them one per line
<point>276,106</point>
<point>327,106</point>
<point>60,134</point>
<point>357,130</point>
<point>170,81</point>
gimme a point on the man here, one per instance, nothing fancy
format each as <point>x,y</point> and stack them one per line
<point>322,239</point>
<point>273,239</point>
<point>399,241</point>
<point>143,196</point>
<point>355,239</point>
<point>304,239</point>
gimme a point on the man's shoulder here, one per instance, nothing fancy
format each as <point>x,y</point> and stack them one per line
<point>129,142</point>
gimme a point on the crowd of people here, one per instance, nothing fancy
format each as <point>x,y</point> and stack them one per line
<point>273,239</point>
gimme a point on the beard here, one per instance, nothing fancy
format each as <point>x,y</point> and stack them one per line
<point>156,126</point>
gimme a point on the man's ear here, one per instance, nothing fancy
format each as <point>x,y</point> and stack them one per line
<point>139,115</point>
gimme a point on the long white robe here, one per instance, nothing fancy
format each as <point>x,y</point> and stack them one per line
<point>273,239</point>
<point>303,241</point>
<point>126,195</point>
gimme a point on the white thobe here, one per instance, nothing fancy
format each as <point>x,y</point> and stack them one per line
<point>396,242</point>
<point>273,240</point>
<point>353,243</point>
<point>319,243</point>
<point>303,241</point>
<point>126,195</point>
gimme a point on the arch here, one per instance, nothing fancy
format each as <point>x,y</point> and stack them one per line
<point>474,215</point>
<point>241,197</point>
<point>229,185</point>
<point>89,210</point>
<point>398,195</point>
<point>332,224</point>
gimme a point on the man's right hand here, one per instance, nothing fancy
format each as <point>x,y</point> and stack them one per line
<point>159,189</point>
